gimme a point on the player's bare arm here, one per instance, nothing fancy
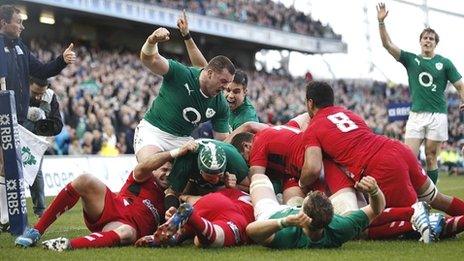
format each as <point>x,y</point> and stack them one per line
<point>144,169</point>
<point>376,205</point>
<point>312,166</point>
<point>302,120</point>
<point>263,231</point>
<point>249,126</point>
<point>386,41</point>
<point>256,170</point>
<point>149,54</point>
<point>196,57</point>
<point>220,135</point>
<point>459,85</point>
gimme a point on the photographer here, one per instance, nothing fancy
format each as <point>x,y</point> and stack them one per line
<point>43,119</point>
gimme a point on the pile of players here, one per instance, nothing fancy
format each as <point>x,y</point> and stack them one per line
<point>318,181</point>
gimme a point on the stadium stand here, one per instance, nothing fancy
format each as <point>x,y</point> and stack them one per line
<point>258,12</point>
<point>95,94</point>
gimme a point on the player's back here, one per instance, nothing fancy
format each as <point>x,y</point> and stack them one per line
<point>344,137</point>
<point>273,147</point>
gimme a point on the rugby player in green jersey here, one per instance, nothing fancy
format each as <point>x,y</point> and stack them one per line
<point>188,96</point>
<point>207,166</point>
<point>314,225</point>
<point>241,109</point>
<point>428,76</point>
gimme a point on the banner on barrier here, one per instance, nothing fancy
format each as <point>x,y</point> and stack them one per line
<point>58,171</point>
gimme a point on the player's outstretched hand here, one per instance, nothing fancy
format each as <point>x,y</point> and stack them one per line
<point>381,12</point>
<point>230,180</point>
<point>69,55</point>
<point>182,24</point>
<point>367,185</point>
<point>159,35</point>
<point>298,220</point>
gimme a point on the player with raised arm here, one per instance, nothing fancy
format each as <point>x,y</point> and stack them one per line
<point>188,96</point>
<point>241,109</point>
<point>314,225</point>
<point>428,76</point>
<point>114,219</point>
<point>344,137</point>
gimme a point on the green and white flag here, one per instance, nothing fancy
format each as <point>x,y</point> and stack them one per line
<point>33,148</point>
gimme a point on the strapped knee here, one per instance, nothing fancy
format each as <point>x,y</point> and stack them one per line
<point>261,183</point>
<point>429,194</point>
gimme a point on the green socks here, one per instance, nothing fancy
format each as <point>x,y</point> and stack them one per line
<point>433,175</point>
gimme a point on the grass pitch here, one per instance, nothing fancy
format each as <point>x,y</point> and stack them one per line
<point>71,225</point>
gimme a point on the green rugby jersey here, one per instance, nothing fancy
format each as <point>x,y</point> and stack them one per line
<point>427,79</point>
<point>180,105</point>
<point>337,232</point>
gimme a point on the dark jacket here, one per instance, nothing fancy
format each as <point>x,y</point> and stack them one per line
<point>52,124</point>
<point>20,64</point>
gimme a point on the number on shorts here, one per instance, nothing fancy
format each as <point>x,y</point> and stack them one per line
<point>284,127</point>
<point>342,121</point>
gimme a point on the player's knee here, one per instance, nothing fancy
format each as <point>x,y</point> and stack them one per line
<point>127,234</point>
<point>84,183</point>
<point>428,193</point>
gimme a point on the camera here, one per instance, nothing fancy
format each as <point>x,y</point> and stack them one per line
<point>44,127</point>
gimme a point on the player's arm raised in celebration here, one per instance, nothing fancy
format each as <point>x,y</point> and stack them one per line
<point>312,166</point>
<point>386,41</point>
<point>376,205</point>
<point>195,55</point>
<point>149,54</point>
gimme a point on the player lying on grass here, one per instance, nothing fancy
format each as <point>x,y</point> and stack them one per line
<point>218,219</point>
<point>114,219</point>
<point>314,225</point>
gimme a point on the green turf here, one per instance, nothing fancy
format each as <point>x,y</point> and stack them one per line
<point>71,225</point>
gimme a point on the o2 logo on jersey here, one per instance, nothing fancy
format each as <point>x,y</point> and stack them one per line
<point>426,80</point>
<point>343,123</point>
<point>191,115</point>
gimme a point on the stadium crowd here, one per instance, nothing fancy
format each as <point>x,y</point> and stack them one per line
<point>257,12</point>
<point>105,94</point>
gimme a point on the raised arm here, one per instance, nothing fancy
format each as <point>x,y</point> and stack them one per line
<point>376,198</point>
<point>386,41</point>
<point>149,54</point>
<point>196,57</point>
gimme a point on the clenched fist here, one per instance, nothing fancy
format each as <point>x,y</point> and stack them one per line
<point>159,35</point>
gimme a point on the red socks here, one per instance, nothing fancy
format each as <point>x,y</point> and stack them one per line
<point>453,226</point>
<point>393,214</point>
<point>456,208</point>
<point>204,229</point>
<point>390,230</point>
<point>65,200</point>
<point>97,239</point>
